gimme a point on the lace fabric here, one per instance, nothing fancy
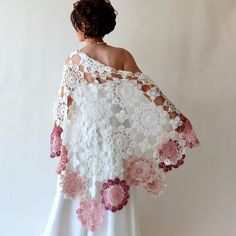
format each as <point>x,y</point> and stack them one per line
<point>109,117</point>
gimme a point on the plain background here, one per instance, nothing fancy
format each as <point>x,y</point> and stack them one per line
<point>187,46</point>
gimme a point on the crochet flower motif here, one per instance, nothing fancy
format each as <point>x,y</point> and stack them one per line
<point>63,160</point>
<point>91,214</point>
<point>55,141</point>
<point>170,154</point>
<point>156,187</point>
<point>72,184</point>
<point>115,194</point>
<point>140,170</point>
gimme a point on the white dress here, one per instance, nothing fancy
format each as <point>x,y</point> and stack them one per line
<point>114,130</point>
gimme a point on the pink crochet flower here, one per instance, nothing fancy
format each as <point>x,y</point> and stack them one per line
<point>140,170</point>
<point>63,160</point>
<point>156,187</point>
<point>191,137</point>
<point>171,155</point>
<point>115,194</point>
<point>72,184</point>
<point>91,214</point>
<point>169,152</point>
<point>55,141</point>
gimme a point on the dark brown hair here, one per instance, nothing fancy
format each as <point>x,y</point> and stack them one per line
<point>98,17</point>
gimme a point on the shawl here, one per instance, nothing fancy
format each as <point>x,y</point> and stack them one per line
<point>113,129</point>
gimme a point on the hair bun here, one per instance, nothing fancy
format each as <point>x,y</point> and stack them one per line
<point>98,16</point>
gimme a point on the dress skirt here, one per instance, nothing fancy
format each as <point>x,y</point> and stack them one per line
<point>63,221</point>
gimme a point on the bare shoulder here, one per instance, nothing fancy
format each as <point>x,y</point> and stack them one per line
<point>129,61</point>
<point>75,58</point>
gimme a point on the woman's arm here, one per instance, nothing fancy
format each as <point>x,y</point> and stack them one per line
<point>129,62</point>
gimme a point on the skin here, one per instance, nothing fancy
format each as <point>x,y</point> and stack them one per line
<point>116,57</point>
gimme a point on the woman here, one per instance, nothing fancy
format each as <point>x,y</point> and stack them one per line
<point>114,130</point>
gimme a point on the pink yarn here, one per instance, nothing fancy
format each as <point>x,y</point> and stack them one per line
<point>156,187</point>
<point>63,160</point>
<point>115,194</point>
<point>191,137</point>
<point>72,184</point>
<point>55,141</point>
<point>169,151</point>
<point>140,170</point>
<point>91,214</point>
<point>171,155</point>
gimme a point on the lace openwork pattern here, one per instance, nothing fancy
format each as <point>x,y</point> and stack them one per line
<point>110,117</point>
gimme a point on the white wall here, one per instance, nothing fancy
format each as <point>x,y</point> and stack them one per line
<point>187,46</point>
